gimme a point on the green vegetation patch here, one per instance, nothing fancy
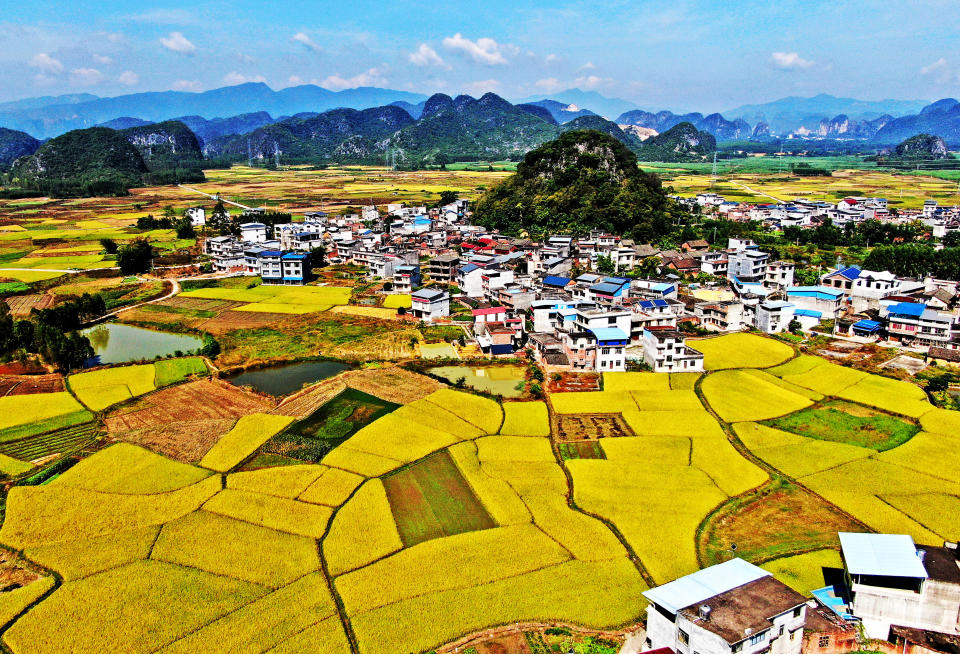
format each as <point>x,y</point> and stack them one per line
<point>171,371</point>
<point>845,422</point>
<point>581,450</point>
<point>431,499</point>
<point>313,437</point>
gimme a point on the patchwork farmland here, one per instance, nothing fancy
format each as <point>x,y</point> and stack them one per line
<point>441,513</point>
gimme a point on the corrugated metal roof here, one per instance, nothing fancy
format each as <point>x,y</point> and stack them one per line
<point>609,334</point>
<point>606,288</point>
<point>704,584</point>
<point>907,309</point>
<point>556,280</point>
<point>809,313</point>
<point>887,555</point>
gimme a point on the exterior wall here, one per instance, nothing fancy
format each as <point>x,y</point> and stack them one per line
<point>936,608</point>
<point>784,637</point>
<point>837,641</point>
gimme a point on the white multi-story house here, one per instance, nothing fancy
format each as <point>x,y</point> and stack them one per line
<point>774,316</point>
<point>254,232</point>
<point>713,263</point>
<point>731,608</point>
<point>430,304</point>
<point>779,274</point>
<point>915,324</point>
<point>592,319</point>
<point>197,216</point>
<point>892,581</point>
<point>747,265</point>
<point>470,280</point>
<point>665,350</point>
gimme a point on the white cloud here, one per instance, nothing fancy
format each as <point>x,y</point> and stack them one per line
<point>177,42</point>
<point>295,80</point>
<point>46,63</point>
<point>187,85</point>
<point>551,58</point>
<point>371,77</point>
<point>482,86</point>
<point>233,78</point>
<point>103,59</point>
<point>940,71</point>
<point>244,58</point>
<point>592,82</point>
<point>129,78</point>
<point>483,51</point>
<point>85,77</point>
<point>790,61</point>
<point>427,56</point>
<point>306,41</point>
<point>550,84</point>
<point>588,66</point>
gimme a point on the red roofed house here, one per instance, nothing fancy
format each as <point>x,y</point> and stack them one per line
<point>489,314</point>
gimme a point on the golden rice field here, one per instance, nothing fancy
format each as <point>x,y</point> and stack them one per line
<point>455,512</point>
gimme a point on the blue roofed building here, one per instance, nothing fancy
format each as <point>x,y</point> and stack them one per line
<point>828,301</point>
<point>912,323</point>
<point>295,267</point>
<point>611,347</point>
<point>271,266</point>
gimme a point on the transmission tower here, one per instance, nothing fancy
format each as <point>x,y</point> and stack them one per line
<point>249,154</point>
<point>714,173</point>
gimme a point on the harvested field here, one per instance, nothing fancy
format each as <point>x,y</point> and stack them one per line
<point>183,422</point>
<point>587,427</point>
<point>21,305</point>
<point>774,522</point>
<point>431,499</point>
<point>30,384</point>
<point>574,382</point>
<point>231,320</point>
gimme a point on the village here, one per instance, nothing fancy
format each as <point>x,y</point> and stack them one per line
<point>602,303</point>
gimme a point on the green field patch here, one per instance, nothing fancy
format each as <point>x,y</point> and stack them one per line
<point>58,441</point>
<point>581,450</point>
<point>845,422</point>
<point>171,371</point>
<point>431,499</point>
<point>313,437</point>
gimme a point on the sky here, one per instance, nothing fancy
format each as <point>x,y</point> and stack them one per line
<point>684,55</point>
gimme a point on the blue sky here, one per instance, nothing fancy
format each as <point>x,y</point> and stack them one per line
<point>684,55</point>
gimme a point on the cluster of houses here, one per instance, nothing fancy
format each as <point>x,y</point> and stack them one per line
<point>524,293</point>
<point>810,213</point>
<point>891,596</point>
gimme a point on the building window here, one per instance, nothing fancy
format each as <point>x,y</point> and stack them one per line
<point>758,638</point>
<point>683,636</point>
<point>824,642</point>
<point>796,612</point>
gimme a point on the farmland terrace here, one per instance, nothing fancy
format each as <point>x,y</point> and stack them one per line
<point>444,513</point>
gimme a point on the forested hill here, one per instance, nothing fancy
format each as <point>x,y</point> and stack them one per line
<point>94,161</point>
<point>581,181</point>
<point>103,161</point>
<point>165,145</point>
<point>14,144</point>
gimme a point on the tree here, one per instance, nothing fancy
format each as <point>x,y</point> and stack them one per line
<point>447,197</point>
<point>169,212</point>
<point>184,228</point>
<point>137,257</point>
<point>219,219</point>
<point>318,257</point>
<point>605,265</point>
<point>109,245</point>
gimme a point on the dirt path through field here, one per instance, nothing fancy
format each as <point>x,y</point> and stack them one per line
<point>755,192</point>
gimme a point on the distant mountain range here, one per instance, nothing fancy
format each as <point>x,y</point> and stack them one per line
<point>311,123</point>
<point>791,114</point>
<point>46,117</point>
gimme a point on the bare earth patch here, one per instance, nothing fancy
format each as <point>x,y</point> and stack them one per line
<point>184,421</point>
